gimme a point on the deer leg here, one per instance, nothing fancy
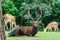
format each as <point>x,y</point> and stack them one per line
<point>56,29</point>
<point>50,29</point>
<point>28,33</point>
<point>6,25</point>
<point>10,25</point>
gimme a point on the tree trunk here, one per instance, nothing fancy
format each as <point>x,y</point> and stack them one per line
<point>2,33</point>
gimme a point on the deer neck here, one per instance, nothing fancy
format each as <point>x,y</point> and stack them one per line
<point>35,28</point>
<point>45,29</point>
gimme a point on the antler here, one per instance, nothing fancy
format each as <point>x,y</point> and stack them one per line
<point>29,14</point>
<point>36,15</point>
<point>39,16</point>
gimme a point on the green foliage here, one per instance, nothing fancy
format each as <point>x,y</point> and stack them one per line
<point>19,9</point>
<point>9,7</point>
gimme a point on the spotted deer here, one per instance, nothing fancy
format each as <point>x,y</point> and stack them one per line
<point>51,25</point>
<point>11,19</point>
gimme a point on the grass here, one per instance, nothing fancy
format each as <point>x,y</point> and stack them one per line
<point>38,36</point>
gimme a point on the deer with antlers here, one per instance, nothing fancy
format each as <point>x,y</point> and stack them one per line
<point>26,30</point>
<point>11,19</point>
<point>51,25</point>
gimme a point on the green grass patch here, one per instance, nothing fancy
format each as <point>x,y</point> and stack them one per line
<point>38,36</point>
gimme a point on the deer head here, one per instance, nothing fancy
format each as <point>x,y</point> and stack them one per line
<point>35,22</point>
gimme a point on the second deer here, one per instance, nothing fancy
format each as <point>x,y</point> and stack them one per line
<point>51,25</point>
<point>11,19</point>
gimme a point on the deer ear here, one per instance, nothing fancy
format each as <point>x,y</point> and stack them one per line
<point>40,21</point>
<point>31,21</point>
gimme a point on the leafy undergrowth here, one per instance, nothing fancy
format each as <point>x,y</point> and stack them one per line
<point>38,36</point>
